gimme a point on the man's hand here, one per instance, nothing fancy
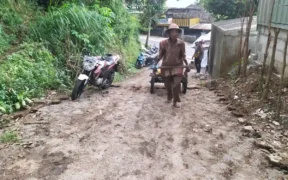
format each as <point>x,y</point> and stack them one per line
<point>188,69</point>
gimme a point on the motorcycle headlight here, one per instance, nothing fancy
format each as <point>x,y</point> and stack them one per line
<point>89,63</point>
<point>88,66</point>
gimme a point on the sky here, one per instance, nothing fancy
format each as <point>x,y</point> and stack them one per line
<point>179,3</point>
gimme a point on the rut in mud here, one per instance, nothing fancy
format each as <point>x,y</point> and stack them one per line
<point>130,134</point>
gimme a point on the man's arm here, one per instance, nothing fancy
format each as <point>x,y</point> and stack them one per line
<point>161,53</point>
<point>183,54</point>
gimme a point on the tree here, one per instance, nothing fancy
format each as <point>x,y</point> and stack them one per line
<point>252,7</point>
<point>242,20</point>
<point>272,62</point>
<point>152,9</point>
<point>267,47</point>
<point>225,9</point>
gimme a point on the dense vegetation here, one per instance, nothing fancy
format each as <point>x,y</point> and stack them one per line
<point>228,9</point>
<point>41,43</point>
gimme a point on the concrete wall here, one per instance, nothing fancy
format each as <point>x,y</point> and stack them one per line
<point>262,40</point>
<point>214,55</point>
<point>224,48</point>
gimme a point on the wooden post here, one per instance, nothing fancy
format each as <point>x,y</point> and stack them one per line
<point>267,48</point>
<point>248,29</point>
<point>279,103</point>
<point>242,19</point>
<point>267,84</point>
<point>148,35</point>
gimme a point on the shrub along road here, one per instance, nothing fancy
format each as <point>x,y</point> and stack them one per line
<point>131,134</point>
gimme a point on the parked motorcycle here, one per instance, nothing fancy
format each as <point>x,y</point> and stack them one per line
<point>97,71</point>
<point>150,59</point>
<point>140,61</point>
<point>147,57</point>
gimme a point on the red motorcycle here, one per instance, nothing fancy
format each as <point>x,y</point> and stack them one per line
<point>97,71</point>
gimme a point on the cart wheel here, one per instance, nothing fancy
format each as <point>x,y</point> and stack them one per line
<point>184,85</point>
<point>152,85</point>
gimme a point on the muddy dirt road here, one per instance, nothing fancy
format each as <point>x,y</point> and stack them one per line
<point>129,134</point>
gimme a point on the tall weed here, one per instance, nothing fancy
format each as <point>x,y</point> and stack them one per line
<point>4,41</point>
<point>70,29</point>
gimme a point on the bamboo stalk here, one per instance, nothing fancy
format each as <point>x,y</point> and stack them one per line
<point>267,47</point>
<point>248,30</point>
<point>267,84</point>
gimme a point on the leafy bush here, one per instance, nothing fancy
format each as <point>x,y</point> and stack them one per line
<point>27,73</point>
<point>39,49</point>
<point>16,16</point>
<point>70,29</point>
<point>127,42</point>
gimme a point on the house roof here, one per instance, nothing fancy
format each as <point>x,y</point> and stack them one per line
<point>204,26</point>
<point>192,11</point>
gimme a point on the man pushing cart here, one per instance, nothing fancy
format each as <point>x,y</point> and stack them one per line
<point>173,55</point>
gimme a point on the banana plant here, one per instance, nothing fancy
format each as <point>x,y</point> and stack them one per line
<point>20,100</point>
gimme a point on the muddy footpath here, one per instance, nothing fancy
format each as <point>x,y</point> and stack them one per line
<point>129,134</point>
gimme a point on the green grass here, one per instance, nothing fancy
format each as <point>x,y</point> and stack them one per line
<point>9,137</point>
<point>119,77</point>
<point>39,49</point>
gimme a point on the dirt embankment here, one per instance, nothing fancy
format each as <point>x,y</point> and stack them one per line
<point>243,99</point>
<point>130,134</point>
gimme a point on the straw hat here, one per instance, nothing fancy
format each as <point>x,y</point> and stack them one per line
<point>172,27</point>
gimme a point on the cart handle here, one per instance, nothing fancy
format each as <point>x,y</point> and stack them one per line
<point>171,67</point>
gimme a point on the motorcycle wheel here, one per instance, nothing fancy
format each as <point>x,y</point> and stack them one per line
<point>109,80</point>
<point>111,77</point>
<point>184,85</point>
<point>152,82</point>
<point>138,65</point>
<point>78,89</point>
<point>149,62</point>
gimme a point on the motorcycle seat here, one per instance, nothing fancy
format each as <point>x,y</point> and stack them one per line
<point>109,58</point>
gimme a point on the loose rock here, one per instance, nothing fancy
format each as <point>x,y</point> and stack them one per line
<point>19,114</point>
<point>260,113</point>
<point>264,145</point>
<point>241,121</point>
<point>277,144</point>
<point>55,101</point>
<point>237,114</point>
<point>248,129</point>
<point>193,87</point>
<point>40,101</point>
<point>231,108</point>
<point>278,161</point>
<point>276,123</point>
<point>274,158</point>
<point>64,98</point>
<point>222,99</point>
<point>220,95</point>
<point>36,108</point>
